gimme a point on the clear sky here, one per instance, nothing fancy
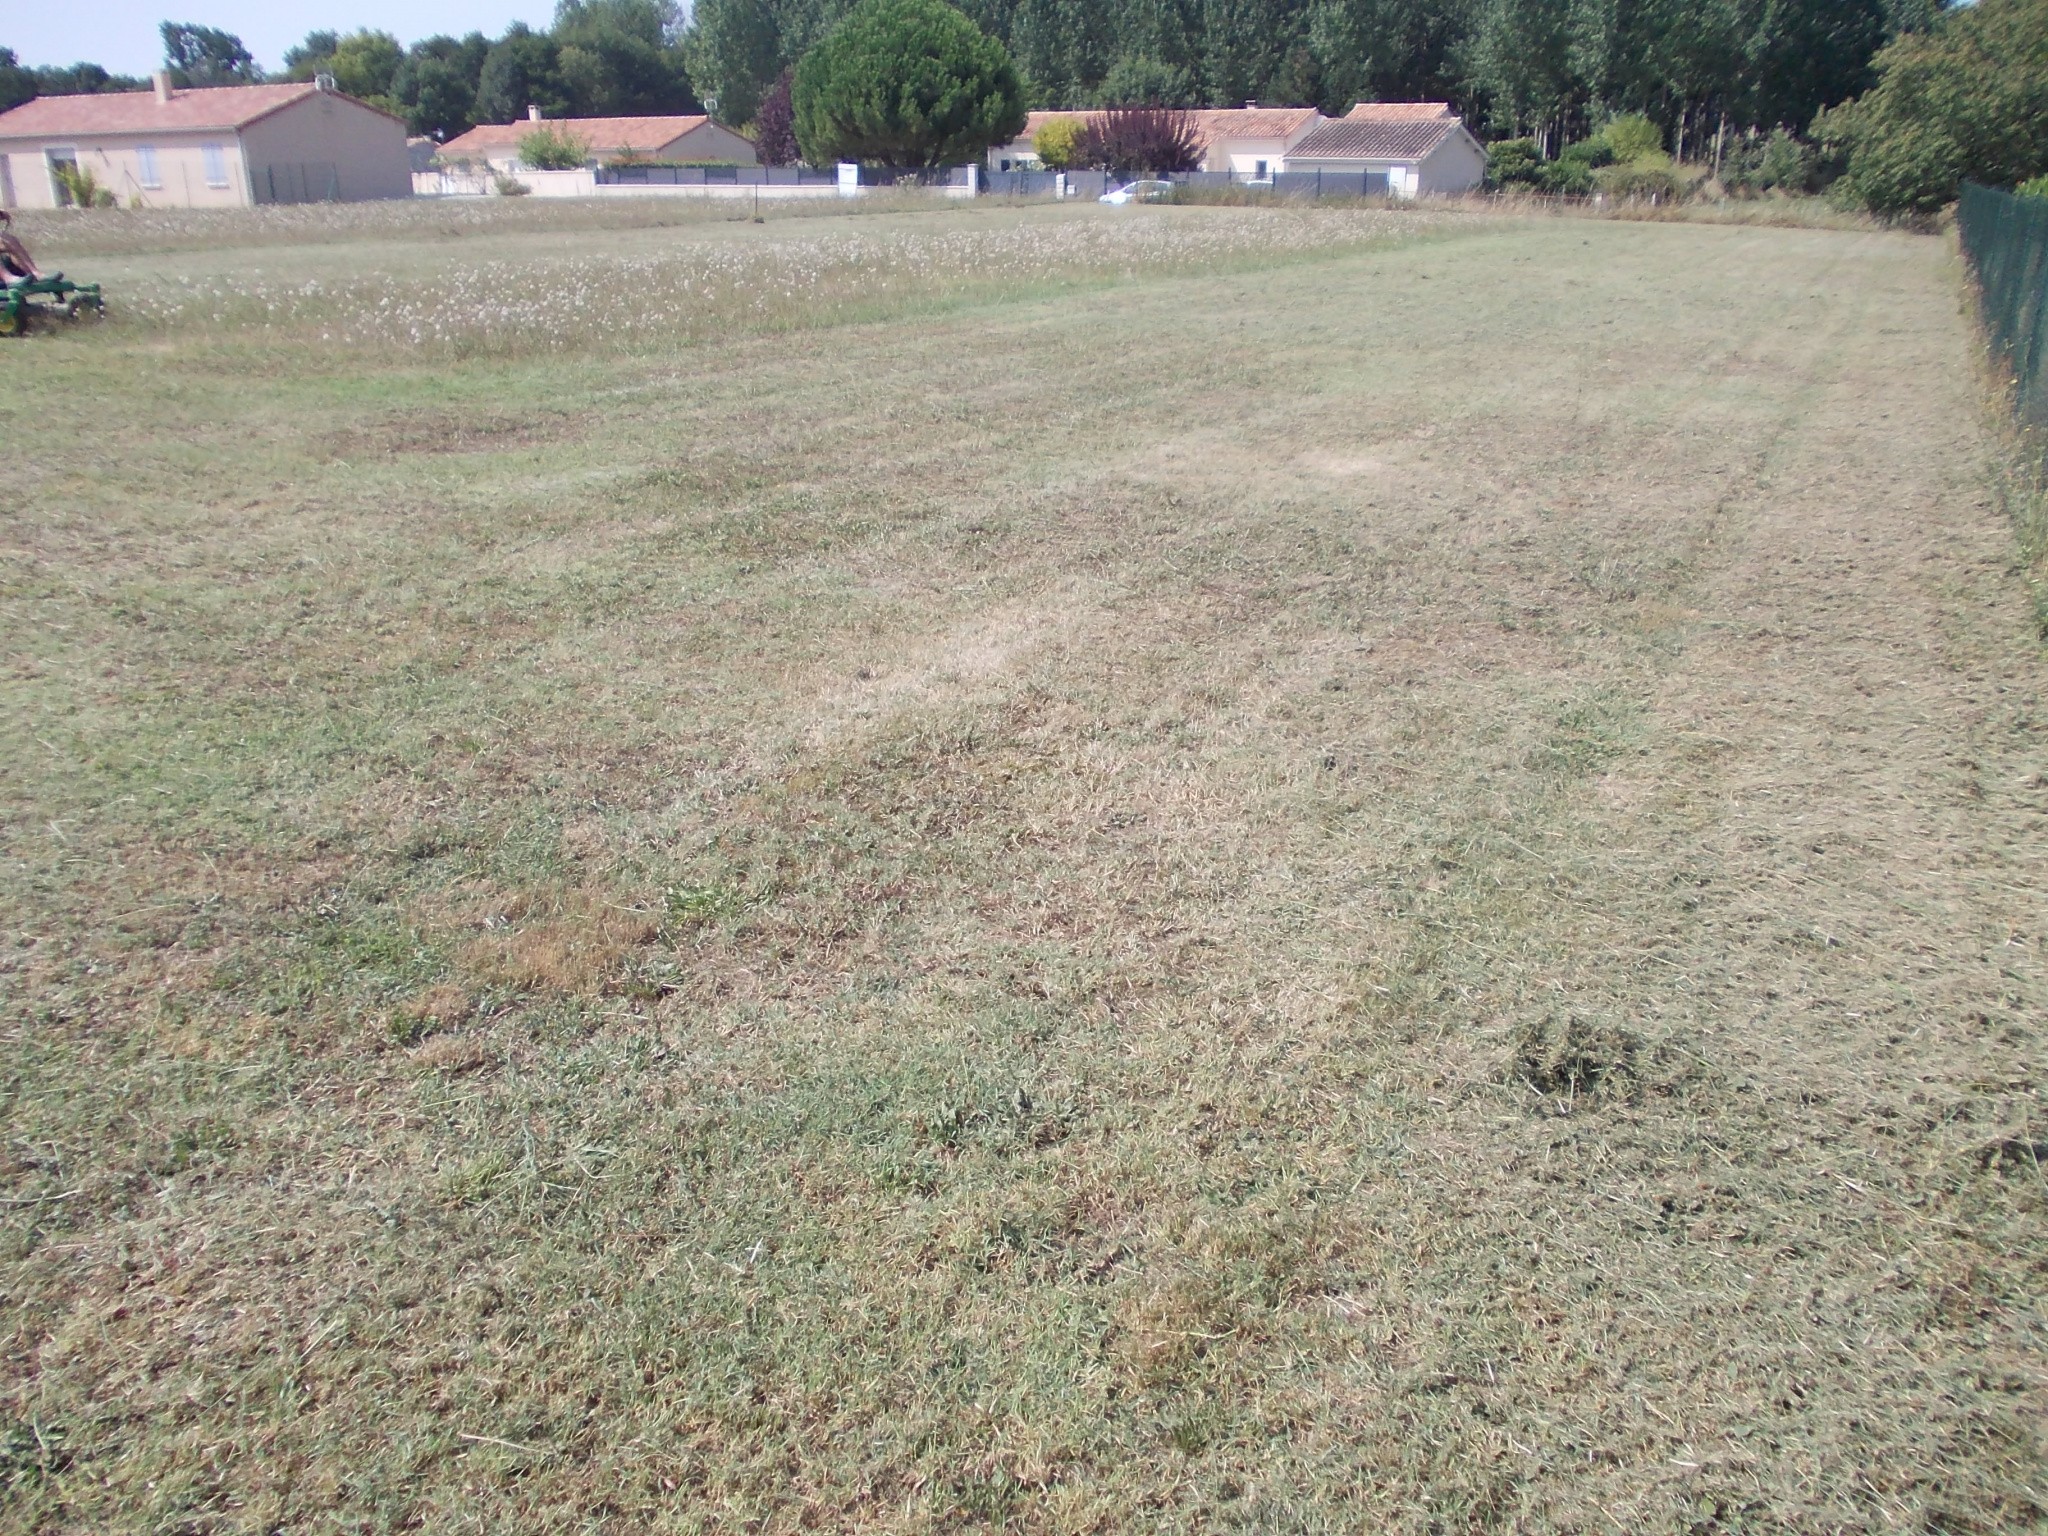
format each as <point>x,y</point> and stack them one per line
<point>121,34</point>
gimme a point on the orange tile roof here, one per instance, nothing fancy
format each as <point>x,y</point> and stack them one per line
<point>223,107</point>
<point>1034,121</point>
<point>1214,123</point>
<point>603,135</point>
<point>1397,111</point>
<point>1384,138</point>
<point>1210,123</point>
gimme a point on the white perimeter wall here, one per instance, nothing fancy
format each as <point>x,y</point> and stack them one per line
<point>584,183</point>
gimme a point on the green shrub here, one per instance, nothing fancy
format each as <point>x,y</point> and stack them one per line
<point>1785,164</point>
<point>548,148</point>
<point>1566,176</point>
<point>2034,186</point>
<point>81,186</point>
<point>1571,173</point>
<point>1632,138</point>
<point>1780,162</point>
<point>511,186</point>
<point>1592,153</point>
<point>1647,178</point>
<point>1513,163</point>
<point>1605,162</point>
<point>1058,141</point>
<point>906,82</point>
<point>1903,167</point>
<point>1967,99</point>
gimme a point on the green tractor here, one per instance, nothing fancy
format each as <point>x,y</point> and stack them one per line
<point>54,296</point>
<point>26,294</point>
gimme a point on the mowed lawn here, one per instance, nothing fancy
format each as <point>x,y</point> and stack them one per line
<point>1392,887</point>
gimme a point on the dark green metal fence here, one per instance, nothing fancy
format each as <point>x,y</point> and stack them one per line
<point>2005,240</point>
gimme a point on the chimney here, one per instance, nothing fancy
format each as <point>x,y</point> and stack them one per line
<point>325,83</point>
<point>533,114</point>
<point>1251,106</point>
<point>162,81</point>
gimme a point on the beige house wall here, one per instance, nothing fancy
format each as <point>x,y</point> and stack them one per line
<point>325,146</point>
<point>1397,172</point>
<point>1021,153</point>
<point>115,163</point>
<point>711,144</point>
<point>1242,156</point>
<point>1456,165</point>
<point>500,162</point>
<point>333,147</point>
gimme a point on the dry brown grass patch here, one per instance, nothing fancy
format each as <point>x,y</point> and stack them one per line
<point>440,1007</point>
<point>1164,1330</point>
<point>450,431</point>
<point>454,1053</point>
<point>577,943</point>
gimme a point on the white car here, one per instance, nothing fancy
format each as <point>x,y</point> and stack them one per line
<point>1138,192</point>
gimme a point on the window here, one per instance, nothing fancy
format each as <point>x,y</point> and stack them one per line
<point>1259,170</point>
<point>216,164</point>
<point>145,165</point>
<point>61,162</point>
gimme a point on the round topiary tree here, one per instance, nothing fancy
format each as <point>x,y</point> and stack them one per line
<point>905,82</point>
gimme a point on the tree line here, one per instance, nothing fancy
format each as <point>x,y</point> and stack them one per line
<point>1552,70</point>
<point>1549,69</point>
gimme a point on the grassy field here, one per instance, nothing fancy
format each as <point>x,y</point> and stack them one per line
<point>1060,870</point>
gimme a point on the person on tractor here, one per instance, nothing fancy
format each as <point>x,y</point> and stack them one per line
<point>16,265</point>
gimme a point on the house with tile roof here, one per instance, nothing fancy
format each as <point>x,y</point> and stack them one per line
<point>1419,146</point>
<point>1249,140</point>
<point>693,140</point>
<point>218,147</point>
<point>1021,153</point>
